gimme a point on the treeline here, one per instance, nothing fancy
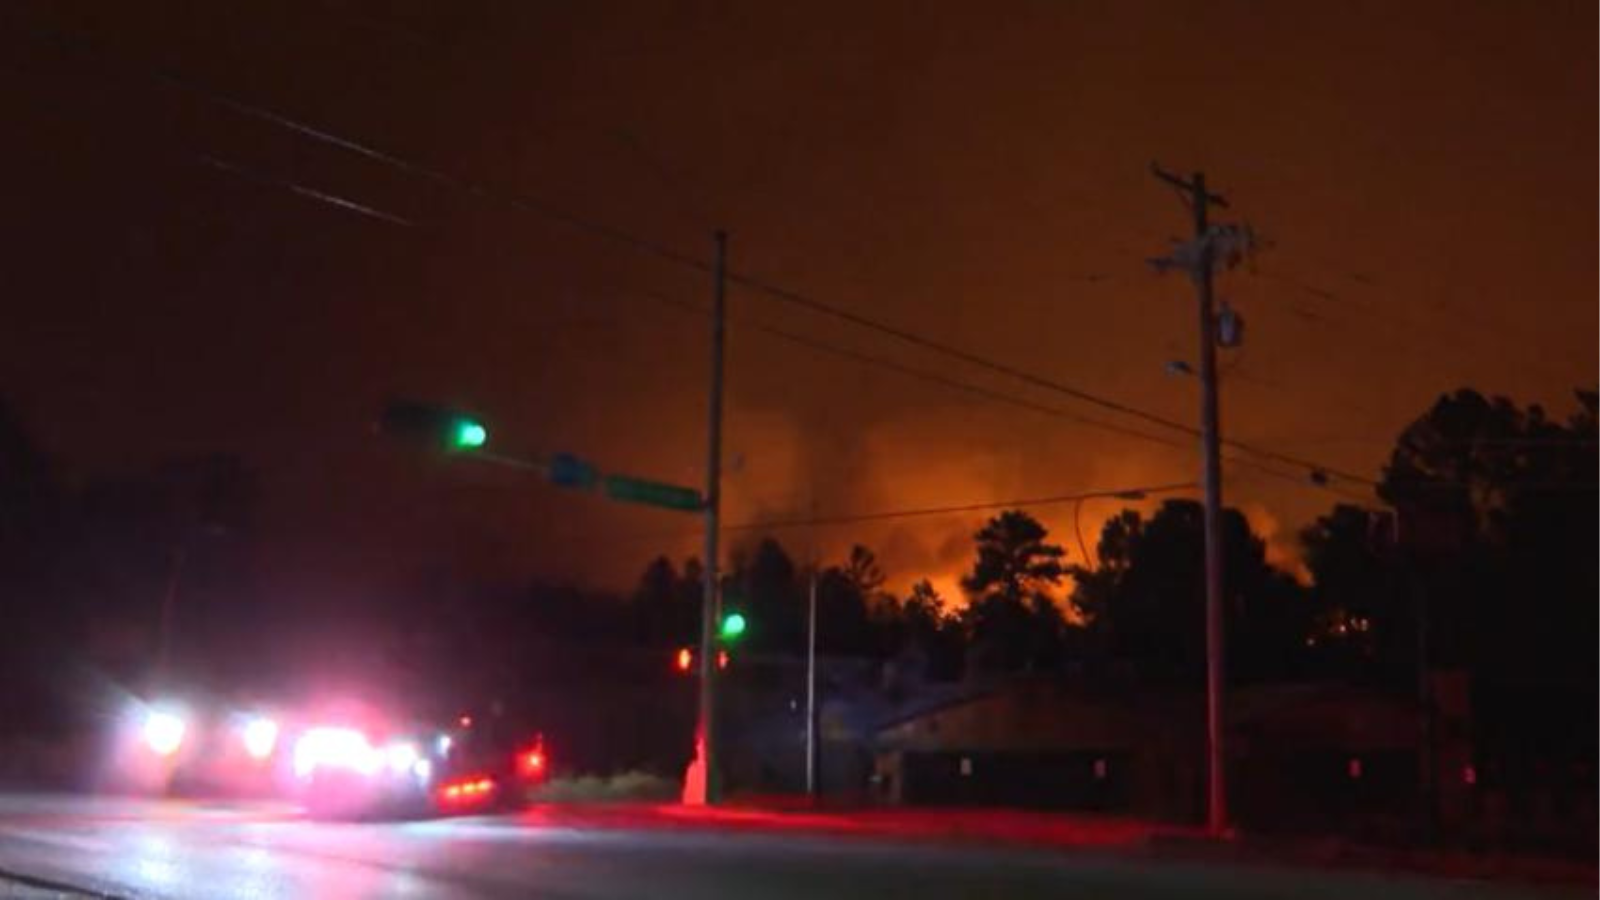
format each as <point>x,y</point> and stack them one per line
<point>1486,530</point>
<point>1485,536</point>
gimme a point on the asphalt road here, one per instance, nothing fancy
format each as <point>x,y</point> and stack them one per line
<point>127,848</point>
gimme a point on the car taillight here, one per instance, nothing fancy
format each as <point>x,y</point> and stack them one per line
<point>464,791</point>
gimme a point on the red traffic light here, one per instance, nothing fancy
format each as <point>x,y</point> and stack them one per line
<point>684,660</point>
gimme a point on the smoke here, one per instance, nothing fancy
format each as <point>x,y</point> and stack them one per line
<point>1282,550</point>
<point>781,470</point>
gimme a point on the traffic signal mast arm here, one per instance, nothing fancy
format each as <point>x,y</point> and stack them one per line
<point>457,432</point>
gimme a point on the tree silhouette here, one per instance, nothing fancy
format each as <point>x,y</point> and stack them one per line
<point>861,569</point>
<point>1497,523</point>
<point>665,607</point>
<point>930,632</point>
<point>1364,621</point>
<point>1012,619</point>
<point>767,589</point>
<point>1146,603</point>
<point>845,621</point>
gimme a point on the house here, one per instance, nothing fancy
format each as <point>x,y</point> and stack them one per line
<point>1041,744</point>
<point>1303,757</point>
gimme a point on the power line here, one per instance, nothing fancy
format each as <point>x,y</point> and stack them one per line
<point>1127,493</point>
<point>1484,332</point>
<point>822,346</point>
<point>258,177</point>
<point>852,518</point>
<point>247,173</point>
<point>516,200</point>
<point>521,202</point>
<point>977,390</point>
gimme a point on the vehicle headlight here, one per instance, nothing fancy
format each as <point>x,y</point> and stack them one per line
<point>343,748</point>
<point>260,736</point>
<point>163,732</point>
<point>401,756</point>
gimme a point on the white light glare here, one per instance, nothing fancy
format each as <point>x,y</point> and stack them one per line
<point>260,737</point>
<point>402,755</point>
<point>163,732</point>
<point>337,748</point>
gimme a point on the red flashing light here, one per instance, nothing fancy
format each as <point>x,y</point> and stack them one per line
<point>536,761</point>
<point>685,659</point>
<point>453,791</point>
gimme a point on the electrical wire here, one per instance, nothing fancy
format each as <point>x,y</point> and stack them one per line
<point>519,201</point>
<point>978,390</point>
<point>985,506</point>
<point>1132,494</point>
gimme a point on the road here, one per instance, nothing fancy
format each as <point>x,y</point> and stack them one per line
<point>147,849</point>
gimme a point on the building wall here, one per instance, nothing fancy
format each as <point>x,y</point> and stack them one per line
<point>1316,758</point>
<point>1042,748</point>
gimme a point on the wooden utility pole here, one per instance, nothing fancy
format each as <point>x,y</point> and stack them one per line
<point>1200,268</point>
<point>706,733</point>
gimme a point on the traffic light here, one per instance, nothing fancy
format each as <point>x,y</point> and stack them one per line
<point>437,426</point>
<point>733,625</point>
<point>467,434</point>
<point>683,660</point>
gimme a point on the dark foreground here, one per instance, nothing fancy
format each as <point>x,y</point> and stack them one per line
<point>126,848</point>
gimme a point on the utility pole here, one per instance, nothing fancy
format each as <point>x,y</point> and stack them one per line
<point>169,604</point>
<point>1200,268</point>
<point>1413,562</point>
<point>710,604</point>
<point>813,785</point>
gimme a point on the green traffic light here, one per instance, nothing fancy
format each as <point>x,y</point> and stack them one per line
<point>732,625</point>
<point>466,434</point>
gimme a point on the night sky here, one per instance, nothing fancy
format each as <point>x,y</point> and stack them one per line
<point>976,173</point>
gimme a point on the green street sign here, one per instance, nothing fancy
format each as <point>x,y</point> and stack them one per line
<point>651,493</point>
